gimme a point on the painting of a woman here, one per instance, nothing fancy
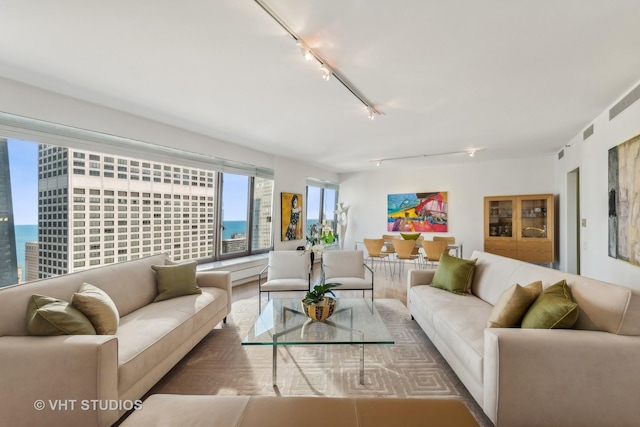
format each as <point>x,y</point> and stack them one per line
<point>291,216</point>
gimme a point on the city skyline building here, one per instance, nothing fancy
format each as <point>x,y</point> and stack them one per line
<point>8,256</point>
<point>98,209</point>
<point>31,261</point>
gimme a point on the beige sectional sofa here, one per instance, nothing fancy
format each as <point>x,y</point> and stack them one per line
<point>585,376</point>
<point>92,380</point>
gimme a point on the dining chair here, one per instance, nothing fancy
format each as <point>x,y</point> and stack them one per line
<point>404,253</point>
<point>388,244</point>
<point>374,252</point>
<point>417,251</point>
<point>347,268</point>
<point>433,249</point>
<point>449,239</point>
<point>286,271</point>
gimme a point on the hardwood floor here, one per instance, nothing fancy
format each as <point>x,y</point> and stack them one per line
<point>385,285</point>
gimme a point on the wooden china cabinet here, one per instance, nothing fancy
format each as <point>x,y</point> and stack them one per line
<point>520,227</point>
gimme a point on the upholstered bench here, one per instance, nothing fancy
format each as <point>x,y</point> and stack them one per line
<point>167,410</point>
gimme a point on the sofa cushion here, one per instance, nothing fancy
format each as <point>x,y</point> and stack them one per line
<point>150,334</point>
<point>513,305</point>
<point>343,264</point>
<point>51,316</point>
<point>176,280</point>
<point>289,265</point>
<point>554,308</point>
<point>99,308</point>
<point>460,327</point>
<point>453,274</point>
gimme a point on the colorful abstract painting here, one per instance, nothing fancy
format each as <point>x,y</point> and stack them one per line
<point>624,201</point>
<point>422,212</point>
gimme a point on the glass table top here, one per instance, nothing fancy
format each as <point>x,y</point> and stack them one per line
<point>354,321</point>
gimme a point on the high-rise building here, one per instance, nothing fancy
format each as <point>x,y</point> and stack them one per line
<point>262,211</point>
<point>31,261</point>
<point>97,209</point>
<point>8,257</point>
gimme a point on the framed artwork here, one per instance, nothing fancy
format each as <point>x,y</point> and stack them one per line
<point>417,212</point>
<point>291,208</point>
<point>624,201</point>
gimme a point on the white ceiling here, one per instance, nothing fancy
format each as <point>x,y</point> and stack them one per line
<point>515,78</point>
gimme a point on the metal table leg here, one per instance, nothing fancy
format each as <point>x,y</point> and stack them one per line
<point>362,365</point>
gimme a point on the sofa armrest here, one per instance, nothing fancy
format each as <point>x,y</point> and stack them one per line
<point>216,279</point>
<point>419,277</point>
<point>62,372</point>
<point>558,377</point>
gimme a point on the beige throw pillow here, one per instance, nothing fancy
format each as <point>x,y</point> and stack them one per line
<point>513,305</point>
<point>176,280</point>
<point>94,303</point>
<point>51,316</point>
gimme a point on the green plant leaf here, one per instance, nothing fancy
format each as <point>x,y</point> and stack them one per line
<point>316,295</point>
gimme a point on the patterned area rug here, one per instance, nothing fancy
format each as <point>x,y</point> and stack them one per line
<point>412,367</point>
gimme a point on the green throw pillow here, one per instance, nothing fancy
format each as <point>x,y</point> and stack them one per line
<point>453,274</point>
<point>176,280</point>
<point>51,316</point>
<point>513,305</point>
<point>553,309</point>
<point>94,303</point>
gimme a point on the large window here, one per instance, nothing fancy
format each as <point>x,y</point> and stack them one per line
<point>321,206</point>
<point>74,213</point>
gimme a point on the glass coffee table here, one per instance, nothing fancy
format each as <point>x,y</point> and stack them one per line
<point>355,321</point>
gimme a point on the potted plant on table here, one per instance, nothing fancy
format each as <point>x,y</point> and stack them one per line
<point>318,306</point>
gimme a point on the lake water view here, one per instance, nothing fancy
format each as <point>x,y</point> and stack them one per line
<point>29,233</point>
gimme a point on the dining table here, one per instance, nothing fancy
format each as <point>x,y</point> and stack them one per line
<point>457,246</point>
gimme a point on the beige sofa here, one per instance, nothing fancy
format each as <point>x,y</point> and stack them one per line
<point>585,376</point>
<point>91,380</point>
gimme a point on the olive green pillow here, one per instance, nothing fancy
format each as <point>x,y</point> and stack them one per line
<point>176,280</point>
<point>553,309</point>
<point>513,305</point>
<point>94,303</point>
<point>51,316</point>
<point>453,274</point>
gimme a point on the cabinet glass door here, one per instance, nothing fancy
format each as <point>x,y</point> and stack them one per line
<point>501,218</point>
<point>533,214</point>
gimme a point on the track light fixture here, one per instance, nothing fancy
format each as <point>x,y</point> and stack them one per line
<point>327,72</point>
<point>471,152</point>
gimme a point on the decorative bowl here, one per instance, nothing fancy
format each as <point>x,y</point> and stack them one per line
<point>410,236</point>
<point>320,311</point>
<point>534,232</point>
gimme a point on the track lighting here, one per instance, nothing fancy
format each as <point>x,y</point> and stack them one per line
<point>327,72</point>
<point>471,152</point>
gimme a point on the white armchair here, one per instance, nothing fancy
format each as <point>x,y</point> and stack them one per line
<point>286,271</point>
<point>347,268</point>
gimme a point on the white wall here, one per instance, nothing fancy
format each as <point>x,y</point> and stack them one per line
<point>591,157</point>
<point>467,184</point>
